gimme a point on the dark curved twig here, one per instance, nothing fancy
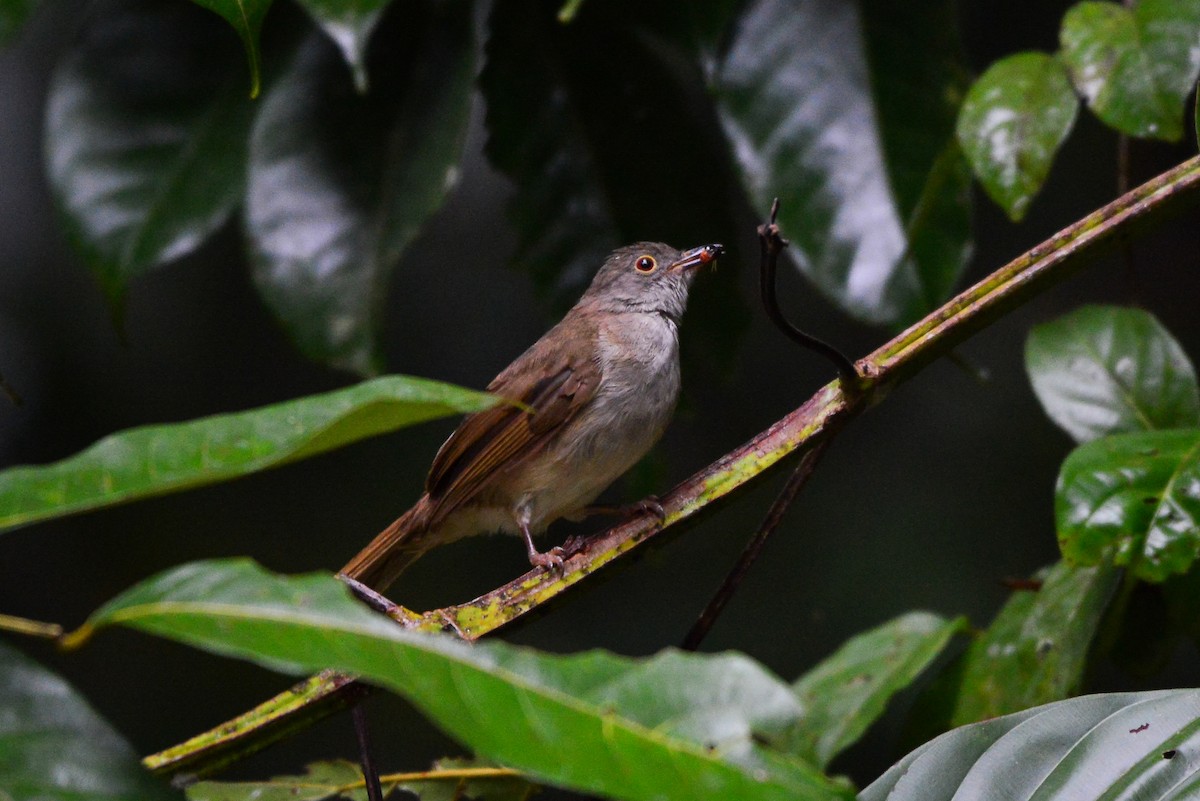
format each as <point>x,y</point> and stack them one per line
<point>370,773</point>
<point>771,244</point>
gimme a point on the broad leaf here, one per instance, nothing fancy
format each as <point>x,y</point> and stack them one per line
<point>146,126</point>
<point>13,14</point>
<point>1034,651</point>
<point>246,17</point>
<point>350,26</point>
<point>675,726</point>
<point>1011,124</point>
<point>1123,745</point>
<point>598,123</point>
<point>1106,370</point>
<point>849,691</point>
<point>1135,66</point>
<point>846,111</point>
<point>341,184</point>
<point>1134,498</point>
<point>54,746</point>
<point>153,460</point>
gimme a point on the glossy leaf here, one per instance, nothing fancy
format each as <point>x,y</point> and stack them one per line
<point>145,137</point>
<point>343,779</point>
<point>53,744</point>
<point>246,17</point>
<point>1123,745</point>
<point>13,14</point>
<point>1106,370</point>
<point>1135,66</point>
<point>154,460</point>
<point>341,184</point>
<point>1034,651</point>
<point>1012,123</point>
<point>1134,498</point>
<point>846,112</point>
<point>849,691</point>
<point>674,726</point>
<point>605,151</point>
<point>350,26</point>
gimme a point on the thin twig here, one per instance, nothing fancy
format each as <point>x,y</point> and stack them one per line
<point>771,244</point>
<point>31,628</point>
<point>791,489</point>
<point>370,774</point>
<point>896,361</point>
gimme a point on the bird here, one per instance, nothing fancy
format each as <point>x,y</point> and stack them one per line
<point>583,404</point>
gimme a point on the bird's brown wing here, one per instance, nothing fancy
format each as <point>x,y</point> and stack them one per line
<point>552,381</point>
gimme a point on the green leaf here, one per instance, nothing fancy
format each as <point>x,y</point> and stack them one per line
<point>674,726</point>
<point>350,26</point>
<point>1123,745</point>
<point>1034,651</point>
<point>1135,67</point>
<point>145,137</point>
<point>246,17</point>
<point>154,460</point>
<point>13,14</point>
<point>341,184</point>
<point>1134,498</point>
<point>846,112</point>
<point>1011,124</point>
<point>1106,370</point>
<point>849,691</point>
<point>569,123</point>
<point>54,746</point>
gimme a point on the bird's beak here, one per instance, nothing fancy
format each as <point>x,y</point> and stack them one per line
<point>696,257</point>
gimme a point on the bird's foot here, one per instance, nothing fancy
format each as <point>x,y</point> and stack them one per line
<point>650,505</point>
<point>551,559</point>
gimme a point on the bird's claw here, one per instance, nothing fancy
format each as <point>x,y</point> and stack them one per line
<point>551,559</point>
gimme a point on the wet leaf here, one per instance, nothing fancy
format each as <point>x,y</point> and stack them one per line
<point>341,184</point>
<point>1105,370</point>
<point>53,744</point>
<point>350,26</point>
<point>846,112</point>
<point>1135,66</point>
<point>1123,745</point>
<point>846,693</point>
<point>153,460</point>
<point>1012,123</point>
<point>1134,498</point>
<point>673,726</point>
<point>145,137</point>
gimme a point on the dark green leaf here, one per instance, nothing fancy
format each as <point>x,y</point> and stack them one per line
<point>848,118</point>
<point>1106,370</point>
<point>153,460</point>
<point>350,26</point>
<point>1012,123</point>
<point>1123,745</point>
<point>609,150</point>
<point>145,136</point>
<point>246,17</point>
<point>675,726</point>
<point>341,184</point>
<point>54,746</point>
<point>13,14</point>
<point>1134,498</point>
<point>1034,651</point>
<point>1135,66</point>
<point>847,692</point>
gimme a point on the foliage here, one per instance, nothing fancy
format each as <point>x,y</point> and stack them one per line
<point>861,118</point>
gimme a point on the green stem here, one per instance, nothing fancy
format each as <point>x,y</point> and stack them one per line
<point>823,414</point>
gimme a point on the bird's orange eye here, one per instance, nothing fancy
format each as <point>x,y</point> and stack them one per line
<point>645,264</point>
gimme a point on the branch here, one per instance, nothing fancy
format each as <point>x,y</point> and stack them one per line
<point>823,414</point>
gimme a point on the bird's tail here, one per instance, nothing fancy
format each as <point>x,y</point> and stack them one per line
<point>393,549</point>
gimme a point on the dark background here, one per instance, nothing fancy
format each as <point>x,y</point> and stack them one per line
<point>926,502</point>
